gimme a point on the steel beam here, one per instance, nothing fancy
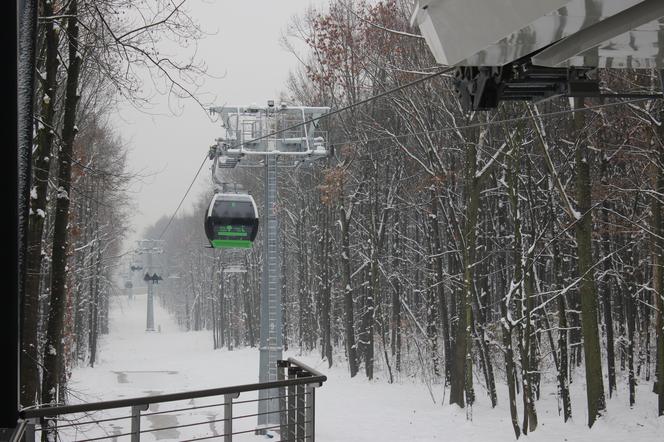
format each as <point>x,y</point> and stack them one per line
<point>598,33</point>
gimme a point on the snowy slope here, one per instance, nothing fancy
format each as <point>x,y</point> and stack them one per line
<point>133,363</point>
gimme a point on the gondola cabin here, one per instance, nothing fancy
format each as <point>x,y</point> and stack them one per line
<point>231,221</point>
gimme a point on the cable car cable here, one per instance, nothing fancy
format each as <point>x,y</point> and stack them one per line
<point>492,123</point>
<point>184,197</point>
<point>352,105</point>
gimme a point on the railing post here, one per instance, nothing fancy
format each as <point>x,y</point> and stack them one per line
<point>136,421</point>
<point>30,430</point>
<point>300,419</point>
<point>21,432</point>
<point>283,403</point>
<point>228,416</point>
<point>310,412</point>
<point>292,416</point>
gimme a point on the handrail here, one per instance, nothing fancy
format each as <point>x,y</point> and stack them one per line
<point>305,367</point>
<point>19,432</point>
<point>171,397</point>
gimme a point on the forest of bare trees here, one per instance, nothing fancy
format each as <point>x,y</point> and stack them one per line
<point>90,54</point>
<point>473,250</point>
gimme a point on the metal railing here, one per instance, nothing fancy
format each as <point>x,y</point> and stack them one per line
<point>185,413</point>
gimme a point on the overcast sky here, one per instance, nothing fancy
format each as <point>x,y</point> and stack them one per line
<point>246,49</point>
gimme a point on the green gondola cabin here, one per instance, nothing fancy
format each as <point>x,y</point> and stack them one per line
<point>231,221</point>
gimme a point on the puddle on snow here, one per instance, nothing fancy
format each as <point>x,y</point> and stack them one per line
<point>123,376</point>
<point>162,421</point>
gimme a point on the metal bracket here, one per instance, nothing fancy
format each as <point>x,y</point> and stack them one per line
<point>484,87</point>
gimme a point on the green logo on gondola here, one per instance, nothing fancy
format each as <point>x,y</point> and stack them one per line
<point>232,231</point>
<point>231,244</point>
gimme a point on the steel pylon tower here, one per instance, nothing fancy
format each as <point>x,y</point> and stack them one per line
<point>249,142</point>
<point>271,331</point>
<point>150,247</point>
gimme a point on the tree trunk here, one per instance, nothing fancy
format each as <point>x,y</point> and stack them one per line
<point>83,296</point>
<point>370,316</point>
<point>563,383</point>
<point>506,327</point>
<point>462,369</point>
<point>631,324</point>
<point>396,304</point>
<point>248,313</point>
<point>301,284</point>
<point>606,301</point>
<point>440,288</point>
<point>587,289</point>
<point>41,169</point>
<point>432,310</point>
<point>658,272</point>
<point>326,292</point>
<point>53,346</point>
<point>563,357</point>
<point>94,310</point>
<point>349,322</point>
<point>521,282</point>
<point>528,361</point>
<point>214,310</point>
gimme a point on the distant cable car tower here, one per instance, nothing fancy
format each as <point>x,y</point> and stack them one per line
<point>269,136</point>
<point>150,247</point>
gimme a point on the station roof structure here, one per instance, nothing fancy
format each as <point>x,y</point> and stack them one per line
<point>555,33</point>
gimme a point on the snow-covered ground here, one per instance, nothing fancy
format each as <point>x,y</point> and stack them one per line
<point>133,363</point>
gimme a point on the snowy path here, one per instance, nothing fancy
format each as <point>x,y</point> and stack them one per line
<point>135,363</point>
